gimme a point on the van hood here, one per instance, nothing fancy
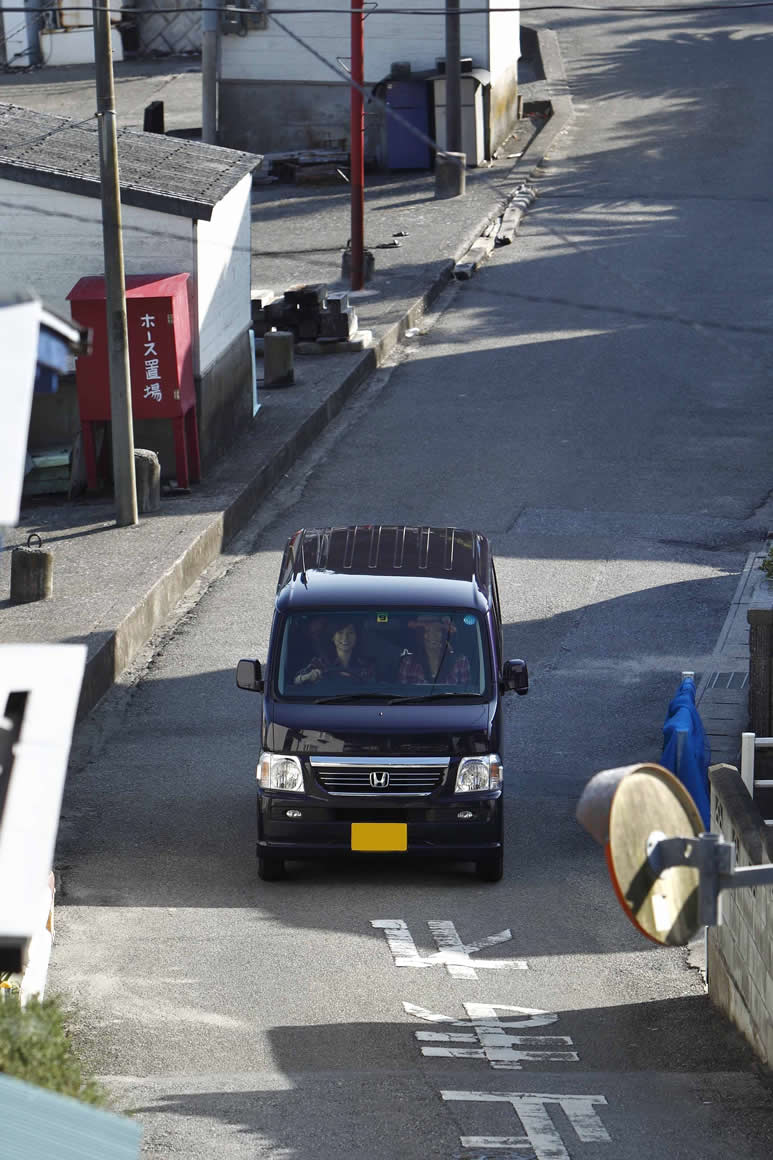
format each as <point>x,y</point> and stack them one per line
<point>382,730</point>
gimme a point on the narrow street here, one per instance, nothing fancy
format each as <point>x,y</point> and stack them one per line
<point>596,400</point>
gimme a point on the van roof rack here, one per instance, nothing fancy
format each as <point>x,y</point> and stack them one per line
<point>388,550</point>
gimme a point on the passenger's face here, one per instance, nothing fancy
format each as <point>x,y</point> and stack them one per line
<point>345,638</point>
<point>434,634</point>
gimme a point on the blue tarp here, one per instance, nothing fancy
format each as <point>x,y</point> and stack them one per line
<point>688,757</point>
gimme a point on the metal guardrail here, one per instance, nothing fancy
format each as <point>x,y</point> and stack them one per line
<point>750,743</point>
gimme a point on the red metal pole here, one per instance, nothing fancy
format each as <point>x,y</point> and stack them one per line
<point>357,131</point>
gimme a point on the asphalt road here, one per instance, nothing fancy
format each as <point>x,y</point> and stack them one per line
<point>596,401</point>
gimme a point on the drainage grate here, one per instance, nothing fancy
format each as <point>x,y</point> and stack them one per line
<point>725,680</point>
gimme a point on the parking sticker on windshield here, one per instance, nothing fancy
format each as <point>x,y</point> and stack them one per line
<point>469,619</point>
<point>382,618</point>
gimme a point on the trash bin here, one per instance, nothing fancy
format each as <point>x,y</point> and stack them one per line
<point>409,98</point>
<point>474,96</point>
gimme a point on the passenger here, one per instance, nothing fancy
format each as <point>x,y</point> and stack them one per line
<point>340,657</point>
<point>434,662</point>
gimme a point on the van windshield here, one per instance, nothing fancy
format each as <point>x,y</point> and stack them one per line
<point>394,655</point>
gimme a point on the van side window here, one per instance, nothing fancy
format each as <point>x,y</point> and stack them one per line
<point>497,614</point>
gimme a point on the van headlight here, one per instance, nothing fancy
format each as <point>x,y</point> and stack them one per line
<point>478,773</point>
<point>278,771</point>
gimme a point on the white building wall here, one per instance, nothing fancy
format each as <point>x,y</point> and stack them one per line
<point>13,26</point>
<point>272,55</point>
<point>504,41</point>
<point>62,46</point>
<point>49,239</point>
<point>223,274</point>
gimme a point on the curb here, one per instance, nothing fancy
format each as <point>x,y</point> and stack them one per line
<point>118,650</point>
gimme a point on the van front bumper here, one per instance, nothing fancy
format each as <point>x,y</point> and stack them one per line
<point>434,829</point>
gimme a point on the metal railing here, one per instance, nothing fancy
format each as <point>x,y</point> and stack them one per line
<point>750,743</point>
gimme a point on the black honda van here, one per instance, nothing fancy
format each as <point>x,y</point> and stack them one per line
<point>382,699</point>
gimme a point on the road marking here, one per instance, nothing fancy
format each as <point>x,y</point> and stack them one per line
<point>541,1134</point>
<point>452,953</point>
<point>502,1050</point>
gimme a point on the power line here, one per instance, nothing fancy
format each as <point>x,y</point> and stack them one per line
<point>438,12</point>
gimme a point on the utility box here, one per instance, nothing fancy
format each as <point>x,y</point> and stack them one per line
<point>410,98</point>
<point>475,85</point>
<point>158,312</point>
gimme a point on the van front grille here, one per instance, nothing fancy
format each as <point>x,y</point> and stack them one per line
<point>373,778</point>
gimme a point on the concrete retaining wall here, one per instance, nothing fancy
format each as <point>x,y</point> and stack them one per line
<point>740,952</point>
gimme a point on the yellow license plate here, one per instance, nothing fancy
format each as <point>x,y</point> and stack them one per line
<point>383,836</point>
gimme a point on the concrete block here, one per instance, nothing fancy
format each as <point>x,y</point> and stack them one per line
<point>759,918</point>
<point>360,341</point>
<point>147,470</point>
<point>769,992</point>
<point>338,301</point>
<point>32,574</point>
<point>278,358</point>
<point>339,325</point>
<point>368,265</point>
<point>756,968</point>
<point>757,1010</point>
<point>309,327</point>
<point>463,271</point>
<point>450,175</point>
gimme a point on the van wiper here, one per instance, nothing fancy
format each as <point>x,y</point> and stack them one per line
<point>341,697</point>
<point>429,697</point>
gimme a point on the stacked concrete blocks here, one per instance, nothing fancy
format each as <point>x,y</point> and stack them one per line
<point>320,321</point>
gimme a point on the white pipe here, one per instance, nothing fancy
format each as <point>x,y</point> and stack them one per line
<point>747,761</point>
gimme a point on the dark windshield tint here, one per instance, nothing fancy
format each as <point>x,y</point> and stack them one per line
<point>403,653</point>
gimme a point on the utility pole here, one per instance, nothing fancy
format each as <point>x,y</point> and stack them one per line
<point>357,134</point>
<point>210,35</point>
<point>453,79</point>
<point>115,286</point>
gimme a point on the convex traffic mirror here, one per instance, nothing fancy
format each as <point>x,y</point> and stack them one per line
<point>628,811</point>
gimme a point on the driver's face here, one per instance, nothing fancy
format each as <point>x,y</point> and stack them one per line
<point>345,638</point>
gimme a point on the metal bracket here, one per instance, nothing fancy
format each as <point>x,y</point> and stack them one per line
<point>714,859</point>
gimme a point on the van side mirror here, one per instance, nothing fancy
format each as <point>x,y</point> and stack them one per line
<point>515,677</point>
<point>249,676</point>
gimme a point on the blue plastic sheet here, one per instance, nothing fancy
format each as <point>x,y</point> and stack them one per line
<point>688,756</point>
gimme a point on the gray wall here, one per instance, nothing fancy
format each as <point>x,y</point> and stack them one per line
<point>277,116</point>
<point>740,952</point>
<point>224,400</point>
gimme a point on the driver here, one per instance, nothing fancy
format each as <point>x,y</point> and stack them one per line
<point>339,658</point>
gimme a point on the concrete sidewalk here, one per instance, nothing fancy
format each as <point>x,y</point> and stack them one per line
<point>114,586</point>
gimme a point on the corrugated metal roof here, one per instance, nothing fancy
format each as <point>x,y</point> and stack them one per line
<point>40,1125</point>
<point>170,174</point>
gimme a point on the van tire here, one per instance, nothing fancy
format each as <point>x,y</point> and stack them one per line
<point>270,869</point>
<point>491,868</point>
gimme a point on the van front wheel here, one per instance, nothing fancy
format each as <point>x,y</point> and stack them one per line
<point>270,869</point>
<point>491,868</point>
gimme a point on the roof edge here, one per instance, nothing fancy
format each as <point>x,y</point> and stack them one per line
<point>88,187</point>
